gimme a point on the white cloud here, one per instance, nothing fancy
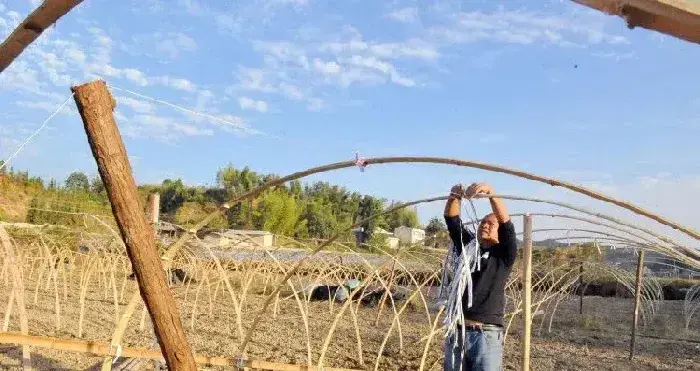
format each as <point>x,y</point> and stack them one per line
<point>382,66</point>
<point>175,83</point>
<point>251,104</point>
<point>61,58</point>
<point>138,106</point>
<point>613,55</point>
<point>406,15</point>
<point>136,76</point>
<point>47,106</point>
<point>291,91</point>
<point>176,43</point>
<point>326,68</point>
<point>76,55</point>
<point>315,104</point>
<point>166,129</point>
<point>522,27</point>
<point>20,76</point>
<point>414,48</point>
<point>254,79</point>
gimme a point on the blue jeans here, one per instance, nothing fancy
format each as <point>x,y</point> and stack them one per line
<point>483,351</point>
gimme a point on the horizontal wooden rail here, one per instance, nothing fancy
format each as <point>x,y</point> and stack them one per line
<point>103,349</point>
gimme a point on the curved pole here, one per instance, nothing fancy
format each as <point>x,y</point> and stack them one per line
<point>266,303</point>
<point>602,233</point>
<point>32,27</point>
<point>599,215</point>
<point>434,160</point>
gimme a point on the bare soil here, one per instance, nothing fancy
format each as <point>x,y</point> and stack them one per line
<point>596,340</point>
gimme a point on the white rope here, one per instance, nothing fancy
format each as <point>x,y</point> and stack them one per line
<point>4,164</point>
<point>457,282</point>
<point>202,114</point>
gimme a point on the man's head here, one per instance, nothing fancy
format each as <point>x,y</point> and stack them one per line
<point>488,231</point>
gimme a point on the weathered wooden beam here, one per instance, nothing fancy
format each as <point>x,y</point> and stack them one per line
<point>95,104</point>
<point>104,349</point>
<point>677,18</point>
<point>32,27</point>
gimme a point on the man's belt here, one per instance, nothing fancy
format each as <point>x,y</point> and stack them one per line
<point>483,327</point>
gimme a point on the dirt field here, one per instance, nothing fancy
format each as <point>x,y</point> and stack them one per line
<point>597,340</point>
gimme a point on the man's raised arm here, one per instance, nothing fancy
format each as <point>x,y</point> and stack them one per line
<point>497,205</point>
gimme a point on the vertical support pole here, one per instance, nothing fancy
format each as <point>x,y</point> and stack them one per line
<point>388,292</point>
<point>581,287</point>
<point>527,290</point>
<point>637,299</point>
<point>95,104</point>
<point>154,207</point>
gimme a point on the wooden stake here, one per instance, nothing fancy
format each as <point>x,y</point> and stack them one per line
<point>527,290</point>
<point>637,297</point>
<point>96,104</point>
<point>154,207</point>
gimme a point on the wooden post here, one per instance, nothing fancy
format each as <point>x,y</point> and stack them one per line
<point>637,297</point>
<point>95,104</point>
<point>527,290</point>
<point>154,207</point>
<point>580,285</point>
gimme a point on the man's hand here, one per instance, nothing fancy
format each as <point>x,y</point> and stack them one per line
<point>457,191</point>
<point>478,188</point>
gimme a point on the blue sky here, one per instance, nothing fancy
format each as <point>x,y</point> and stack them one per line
<point>545,86</point>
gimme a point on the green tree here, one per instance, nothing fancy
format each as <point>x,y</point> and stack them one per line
<point>77,181</point>
<point>277,212</point>
<point>320,219</point>
<point>406,217</point>
<point>370,206</point>
<point>96,186</point>
<point>436,233</point>
<point>235,182</point>
<point>238,181</point>
<point>172,195</point>
<point>191,213</point>
<point>435,225</point>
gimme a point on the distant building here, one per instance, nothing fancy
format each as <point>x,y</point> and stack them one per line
<point>360,236</point>
<point>408,235</point>
<point>240,239</point>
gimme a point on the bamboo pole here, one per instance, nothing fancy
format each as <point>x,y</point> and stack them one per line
<point>637,296</point>
<point>388,292</point>
<point>581,288</point>
<point>104,349</point>
<point>174,248</point>
<point>18,288</point>
<point>31,28</point>
<point>527,290</point>
<point>96,104</point>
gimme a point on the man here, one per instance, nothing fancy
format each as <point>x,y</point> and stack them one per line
<point>483,347</point>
